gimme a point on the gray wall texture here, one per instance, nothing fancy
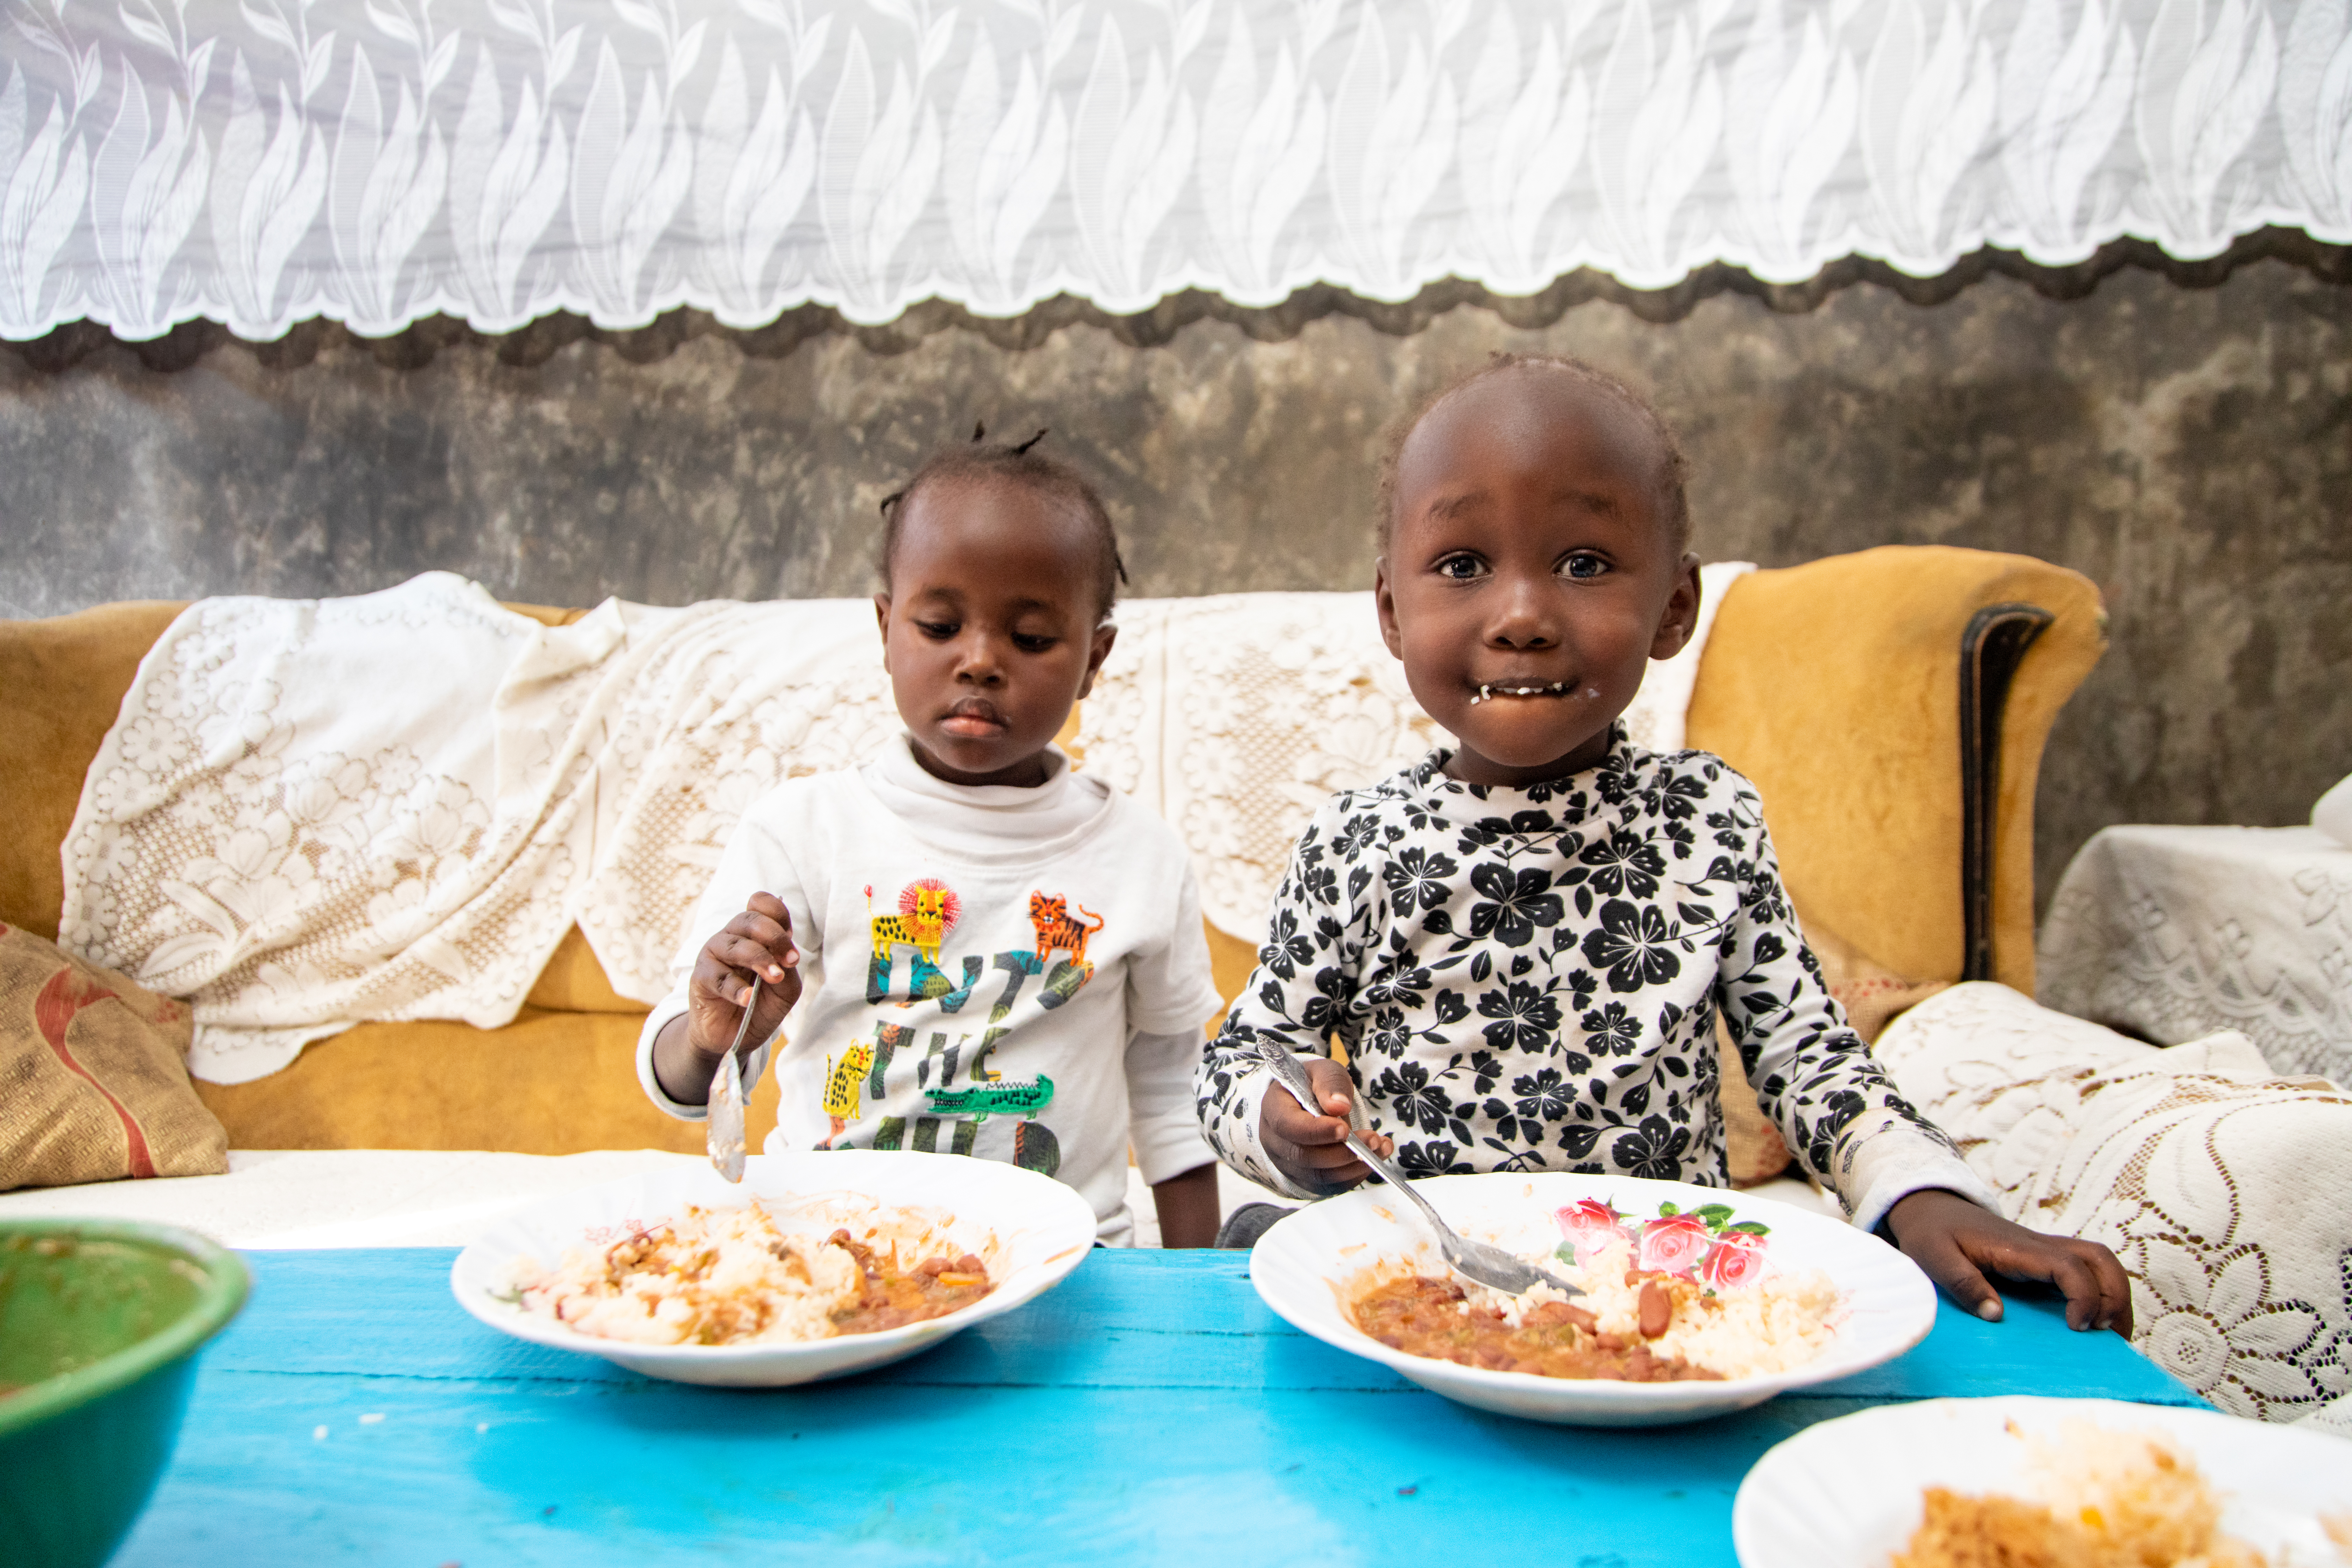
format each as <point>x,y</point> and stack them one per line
<point>2189,448</point>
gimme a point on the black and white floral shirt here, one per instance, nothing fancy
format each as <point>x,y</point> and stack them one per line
<point>1529,980</point>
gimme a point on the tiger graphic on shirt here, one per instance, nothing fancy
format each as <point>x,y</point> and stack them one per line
<point>1058,928</point>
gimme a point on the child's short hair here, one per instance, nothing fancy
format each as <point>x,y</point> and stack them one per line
<point>1022,465</point>
<point>1674,467</point>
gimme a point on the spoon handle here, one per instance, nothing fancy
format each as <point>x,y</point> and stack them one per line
<point>724,1134</point>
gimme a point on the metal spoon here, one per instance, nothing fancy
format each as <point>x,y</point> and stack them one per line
<point>725,1129</point>
<point>1476,1261</point>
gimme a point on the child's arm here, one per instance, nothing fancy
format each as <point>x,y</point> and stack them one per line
<point>1303,988</point>
<point>1187,1207</point>
<point>1843,1119</point>
<point>758,941</point>
<point>1165,1135</point>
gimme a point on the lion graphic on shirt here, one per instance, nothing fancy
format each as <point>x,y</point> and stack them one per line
<point>928,910</point>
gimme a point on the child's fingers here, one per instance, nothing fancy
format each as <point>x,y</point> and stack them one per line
<point>2114,1291</point>
<point>2097,1291</point>
<point>770,907</point>
<point>772,947</point>
<point>1335,1092</point>
<point>1285,1118</point>
<point>1946,1262</point>
<point>2069,1265</point>
<point>740,958</point>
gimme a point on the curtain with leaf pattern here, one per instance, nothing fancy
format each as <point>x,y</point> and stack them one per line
<point>262,161</point>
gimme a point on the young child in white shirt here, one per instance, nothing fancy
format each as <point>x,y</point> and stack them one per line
<point>968,947</point>
<point>1525,942</point>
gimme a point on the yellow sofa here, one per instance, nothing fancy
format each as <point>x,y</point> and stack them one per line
<point>1891,706</point>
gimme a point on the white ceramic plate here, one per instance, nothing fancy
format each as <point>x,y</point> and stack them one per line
<point>1845,1494</point>
<point>1302,1265</point>
<point>1031,1230</point>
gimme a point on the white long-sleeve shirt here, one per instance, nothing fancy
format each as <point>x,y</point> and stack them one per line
<point>1011,974</point>
<point>1530,979</point>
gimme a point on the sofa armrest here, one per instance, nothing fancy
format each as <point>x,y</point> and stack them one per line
<point>1837,687</point>
<point>61,685</point>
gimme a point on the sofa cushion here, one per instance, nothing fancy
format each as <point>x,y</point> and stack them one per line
<point>2214,1181</point>
<point>92,1086</point>
<point>573,982</point>
<point>548,1083</point>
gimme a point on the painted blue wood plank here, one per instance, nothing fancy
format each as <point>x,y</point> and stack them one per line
<point>2031,1350</point>
<point>1149,1410</point>
<point>607,1473</point>
<point>1123,1320</point>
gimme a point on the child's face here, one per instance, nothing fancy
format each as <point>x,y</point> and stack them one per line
<point>989,631</point>
<point>1530,576</point>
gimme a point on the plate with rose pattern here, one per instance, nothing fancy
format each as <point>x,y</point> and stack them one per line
<point>1311,1263</point>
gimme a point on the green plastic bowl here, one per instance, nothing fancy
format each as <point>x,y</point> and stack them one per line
<point>100,1325</point>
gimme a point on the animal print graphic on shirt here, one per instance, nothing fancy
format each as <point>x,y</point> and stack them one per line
<point>928,910</point>
<point>1058,928</point>
<point>1530,979</point>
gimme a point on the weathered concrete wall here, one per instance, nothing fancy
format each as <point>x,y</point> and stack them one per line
<point>2189,448</point>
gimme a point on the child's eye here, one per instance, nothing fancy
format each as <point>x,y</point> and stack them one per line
<point>1584,567</point>
<point>1461,568</point>
<point>938,631</point>
<point>1028,642</point>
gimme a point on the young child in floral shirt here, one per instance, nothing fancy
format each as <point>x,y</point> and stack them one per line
<point>1524,942</point>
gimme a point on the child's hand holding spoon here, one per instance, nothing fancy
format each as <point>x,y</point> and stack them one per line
<point>745,980</point>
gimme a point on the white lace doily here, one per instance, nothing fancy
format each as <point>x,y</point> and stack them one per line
<point>2197,1164</point>
<point>2172,932</point>
<point>312,813</point>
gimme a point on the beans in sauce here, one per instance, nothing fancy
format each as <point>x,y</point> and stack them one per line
<point>894,1296</point>
<point>1425,1317</point>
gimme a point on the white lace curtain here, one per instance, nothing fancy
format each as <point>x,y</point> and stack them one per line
<point>260,161</point>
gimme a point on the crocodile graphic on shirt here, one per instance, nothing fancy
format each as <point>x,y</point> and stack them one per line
<point>982,1100</point>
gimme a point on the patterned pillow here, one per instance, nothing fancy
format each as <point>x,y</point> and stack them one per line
<point>2212,1178</point>
<point>93,1077</point>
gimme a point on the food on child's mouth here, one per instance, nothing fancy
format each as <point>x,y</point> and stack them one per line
<point>731,1276</point>
<point>2107,1499</point>
<point>1684,1297</point>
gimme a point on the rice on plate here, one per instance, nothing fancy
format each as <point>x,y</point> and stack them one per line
<point>734,1276</point>
<point>1698,1300</point>
<point>678,1273</point>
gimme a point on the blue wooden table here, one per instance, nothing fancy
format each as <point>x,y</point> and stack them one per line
<point>1151,1409</point>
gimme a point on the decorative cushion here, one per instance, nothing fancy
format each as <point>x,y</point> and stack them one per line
<point>93,1081</point>
<point>2211,1177</point>
<point>1872,994</point>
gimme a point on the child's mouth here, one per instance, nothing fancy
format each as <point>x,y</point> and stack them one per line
<point>1493,692</point>
<point>974,721</point>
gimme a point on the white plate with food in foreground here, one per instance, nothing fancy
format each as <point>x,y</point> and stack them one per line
<point>1762,1295</point>
<point>682,1253</point>
<point>1852,1493</point>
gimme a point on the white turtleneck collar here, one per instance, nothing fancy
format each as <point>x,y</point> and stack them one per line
<point>988,822</point>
